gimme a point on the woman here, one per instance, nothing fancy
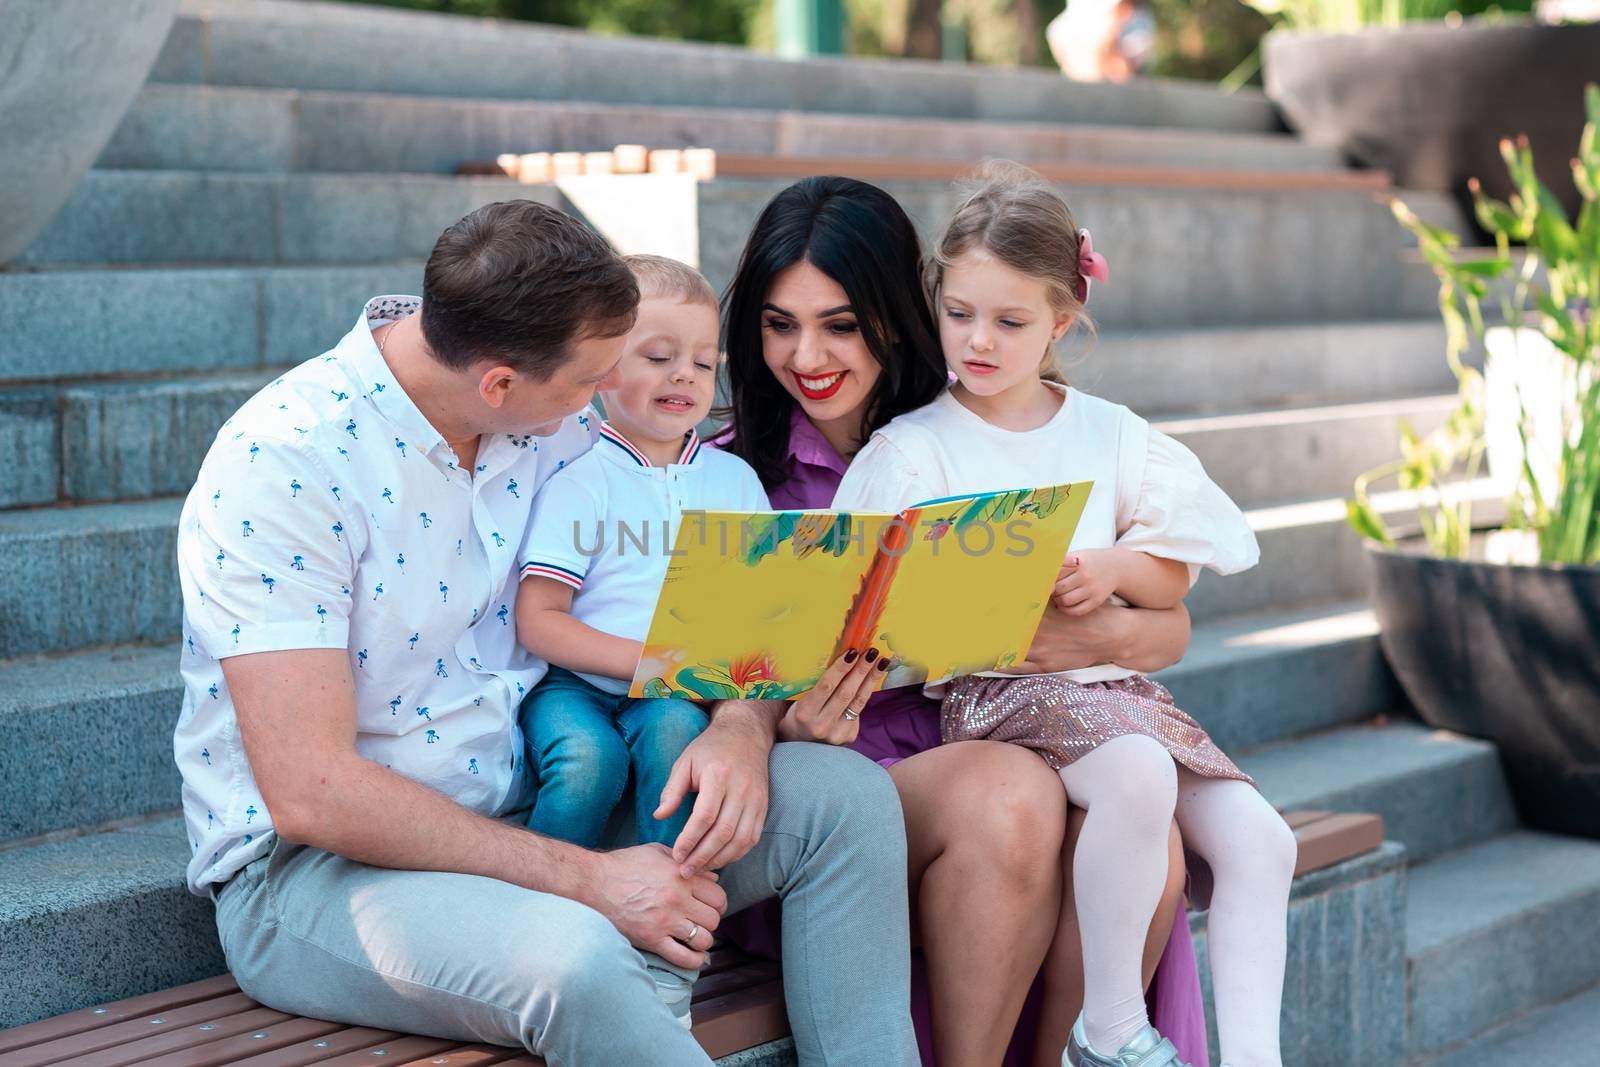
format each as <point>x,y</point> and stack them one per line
<point>829,337</point>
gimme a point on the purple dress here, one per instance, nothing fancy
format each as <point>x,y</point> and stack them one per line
<point>897,723</point>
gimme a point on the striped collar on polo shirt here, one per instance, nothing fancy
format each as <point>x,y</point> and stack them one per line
<point>624,447</point>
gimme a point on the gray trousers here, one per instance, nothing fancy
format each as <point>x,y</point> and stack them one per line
<point>477,959</point>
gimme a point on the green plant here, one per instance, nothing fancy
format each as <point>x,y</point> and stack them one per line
<point>1341,16</point>
<point>1556,281</point>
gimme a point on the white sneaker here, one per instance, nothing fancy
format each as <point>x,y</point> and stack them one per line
<point>675,990</point>
<point>1146,1049</point>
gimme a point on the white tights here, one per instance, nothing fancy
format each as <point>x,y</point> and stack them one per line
<point>1130,788</point>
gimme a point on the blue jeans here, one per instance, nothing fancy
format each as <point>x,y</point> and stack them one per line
<point>583,742</point>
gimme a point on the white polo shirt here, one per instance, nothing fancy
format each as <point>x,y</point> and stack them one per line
<point>605,524</point>
<point>329,513</point>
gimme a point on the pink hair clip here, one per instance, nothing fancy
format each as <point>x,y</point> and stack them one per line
<point>1091,264</point>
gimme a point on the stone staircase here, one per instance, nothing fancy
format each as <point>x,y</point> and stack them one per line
<point>290,159</point>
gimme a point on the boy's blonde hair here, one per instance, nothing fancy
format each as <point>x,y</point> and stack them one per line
<point>660,276</point>
<point>1011,213</point>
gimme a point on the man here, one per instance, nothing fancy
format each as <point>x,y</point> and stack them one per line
<point>352,765</point>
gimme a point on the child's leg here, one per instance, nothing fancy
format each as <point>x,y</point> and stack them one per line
<point>1128,787</point>
<point>580,758</point>
<point>1252,854</point>
<point>657,732</point>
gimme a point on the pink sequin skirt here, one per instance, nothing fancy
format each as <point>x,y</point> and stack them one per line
<point>1062,720</point>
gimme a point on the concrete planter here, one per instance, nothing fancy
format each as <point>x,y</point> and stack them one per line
<point>71,67</point>
<point>1507,653</point>
<point>1429,103</point>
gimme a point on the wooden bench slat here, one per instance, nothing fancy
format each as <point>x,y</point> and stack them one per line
<point>76,1022</point>
<point>399,1050</point>
<point>1297,819</point>
<point>321,1049</point>
<point>85,1042</point>
<point>723,957</point>
<point>750,1017</point>
<point>1335,839</point>
<point>734,979</point>
<point>230,1050</point>
<point>254,1021</point>
<point>466,1056</point>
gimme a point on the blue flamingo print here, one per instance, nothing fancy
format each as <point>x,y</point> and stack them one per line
<point>560,463</point>
<point>438,669</point>
<point>298,563</point>
<point>511,487</point>
<point>423,713</point>
<point>444,591</point>
<point>377,592</point>
<point>338,532</point>
<point>426,522</point>
<point>376,389</point>
<point>210,818</point>
<point>269,583</point>
<point>250,813</point>
<point>322,615</point>
<point>345,452</point>
<point>301,430</point>
<point>387,495</point>
<point>255,450</point>
<point>212,689</point>
<point>247,531</point>
<point>294,488</point>
<point>334,489</point>
<point>472,766</point>
<point>501,615</point>
<point>394,705</point>
<point>412,641</point>
<point>361,659</point>
<point>474,614</point>
<point>478,702</point>
<point>451,464</point>
<point>400,561</point>
<point>214,498</point>
<point>433,737</point>
<point>458,546</point>
<point>520,690</point>
<point>350,428</point>
<point>337,395</point>
<point>191,646</point>
<point>401,445</point>
<point>482,467</point>
<point>475,664</point>
<point>220,558</point>
<point>499,542</point>
<point>249,838</point>
<point>583,420</point>
<point>235,635</point>
<point>205,753</point>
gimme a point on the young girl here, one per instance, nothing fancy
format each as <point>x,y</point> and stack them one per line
<point>1008,279</point>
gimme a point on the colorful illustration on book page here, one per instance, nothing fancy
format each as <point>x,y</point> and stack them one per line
<point>752,605</point>
<point>974,581</point>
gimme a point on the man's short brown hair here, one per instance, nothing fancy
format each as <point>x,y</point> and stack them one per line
<point>660,276</point>
<point>519,283</point>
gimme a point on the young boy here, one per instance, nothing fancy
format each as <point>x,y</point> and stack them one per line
<point>588,589</point>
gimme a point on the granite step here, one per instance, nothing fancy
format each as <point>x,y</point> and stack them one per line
<point>1436,790</point>
<point>121,440</point>
<point>90,575</point>
<point>207,127</point>
<point>354,48</point>
<point>1205,266</point>
<point>98,918</point>
<point>1496,930</point>
<point>1563,1034</point>
<point>1263,456</point>
<point>88,738</point>
<point>72,324</point>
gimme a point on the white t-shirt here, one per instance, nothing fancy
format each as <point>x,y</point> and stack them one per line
<point>329,513</point>
<point>605,524</point>
<point>1150,493</point>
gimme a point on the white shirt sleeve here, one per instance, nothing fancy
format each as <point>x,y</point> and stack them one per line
<point>883,479</point>
<point>266,554</point>
<point>754,495</point>
<point>567,518</point>
<point>1179,513</point>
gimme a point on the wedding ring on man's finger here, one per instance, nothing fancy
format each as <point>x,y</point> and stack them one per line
<point>850,715</point>
<point>694,931</point>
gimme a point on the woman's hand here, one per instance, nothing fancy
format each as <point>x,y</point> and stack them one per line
<point>1140,639</point>
<point>831,711</point>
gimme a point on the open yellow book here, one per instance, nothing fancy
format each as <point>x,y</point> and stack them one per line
<point>756,605</point>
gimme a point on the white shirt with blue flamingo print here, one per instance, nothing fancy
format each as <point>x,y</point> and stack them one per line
<point>604,527</point>
<point>329,513</point>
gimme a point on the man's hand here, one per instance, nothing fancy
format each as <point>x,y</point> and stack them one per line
<point>727,767</point>
<point>644,894</point>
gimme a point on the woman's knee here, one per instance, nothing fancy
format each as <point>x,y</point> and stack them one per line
<point>1009,809</point>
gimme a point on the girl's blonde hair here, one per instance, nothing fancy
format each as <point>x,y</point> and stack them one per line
<point>1011,213</point>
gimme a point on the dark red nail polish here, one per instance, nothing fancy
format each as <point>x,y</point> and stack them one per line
<point>872,654</point>
<point>850,657</point>
<point>883,664</point>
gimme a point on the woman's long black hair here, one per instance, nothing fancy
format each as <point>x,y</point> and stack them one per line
<point>860,237</point>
